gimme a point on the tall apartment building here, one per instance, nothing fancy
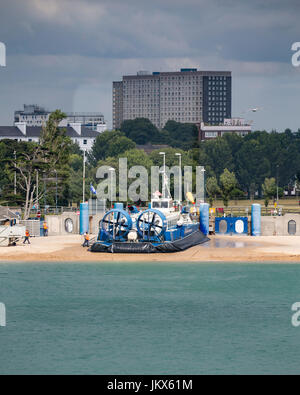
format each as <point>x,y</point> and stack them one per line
<point>34,115</point>
<point>190,96</point>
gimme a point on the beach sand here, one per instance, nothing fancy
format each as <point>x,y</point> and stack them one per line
<point>218,249</point>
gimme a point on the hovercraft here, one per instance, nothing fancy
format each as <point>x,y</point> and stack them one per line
<point>163,227</point>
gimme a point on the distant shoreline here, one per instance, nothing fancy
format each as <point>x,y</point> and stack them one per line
<point>220,249</point>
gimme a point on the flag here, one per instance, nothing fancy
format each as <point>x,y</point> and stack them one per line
<point>93,190</point>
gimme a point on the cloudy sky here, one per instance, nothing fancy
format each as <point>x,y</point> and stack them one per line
<point>66,53</point>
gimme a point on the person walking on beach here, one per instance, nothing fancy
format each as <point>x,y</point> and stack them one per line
<point>45,228</point>
<point>86,240</point>
<point>27,235</point>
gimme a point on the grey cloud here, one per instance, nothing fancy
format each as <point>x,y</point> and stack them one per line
<point>256,30</point>
<point>66,53</point>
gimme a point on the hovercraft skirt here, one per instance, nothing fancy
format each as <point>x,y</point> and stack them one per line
<point>189,241</point>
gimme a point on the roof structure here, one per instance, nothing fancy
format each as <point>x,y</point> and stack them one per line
<point>6,213</point>
<point>35,131</point>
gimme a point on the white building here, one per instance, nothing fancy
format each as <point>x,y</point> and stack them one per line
<point>34,115</point>
<point>83,136</point>
<point>230,125</point>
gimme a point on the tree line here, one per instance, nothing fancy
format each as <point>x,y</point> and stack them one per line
<point>257,162</point>
<point>235,166</point>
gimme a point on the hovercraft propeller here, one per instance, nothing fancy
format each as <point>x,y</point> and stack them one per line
<point>116,224</point>
<point>151,225</point>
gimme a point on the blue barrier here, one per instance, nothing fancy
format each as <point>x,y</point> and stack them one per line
<point>231,225</point>
<point>204,218</point>
<point>256,220</point>
<point>84,218</point>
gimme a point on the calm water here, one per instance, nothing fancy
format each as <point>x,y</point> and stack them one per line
<point>149,318</point>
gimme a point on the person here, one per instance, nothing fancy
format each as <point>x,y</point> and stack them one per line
<point>45,228</point>
<point>27,235</point>
<point>86,240</point>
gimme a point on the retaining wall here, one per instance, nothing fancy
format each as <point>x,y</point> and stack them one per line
<point>279,226</point>
<point>64,224</point>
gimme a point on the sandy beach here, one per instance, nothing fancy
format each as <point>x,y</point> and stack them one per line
<point>218,249</point>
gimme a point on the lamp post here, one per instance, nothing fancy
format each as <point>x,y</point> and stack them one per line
<point>164,175</point>
<point>180,176</point>
<point>56,197</point>
<point>203,170</point>
<point>15,175</point>
<point>111,169</point>
<point>37,189</point>
<point>83,179</point>
<point>44,175</point>
<point>277,183</point>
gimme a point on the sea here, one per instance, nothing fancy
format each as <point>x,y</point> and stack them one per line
<point>149,318</point>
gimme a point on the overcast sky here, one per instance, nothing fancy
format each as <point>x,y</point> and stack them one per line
<point>66,53</point>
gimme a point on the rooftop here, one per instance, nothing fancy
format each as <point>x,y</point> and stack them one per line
<point>35,131</point>
<point>6,213</point>
<point>157,74</point>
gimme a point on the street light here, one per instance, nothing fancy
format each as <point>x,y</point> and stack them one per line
<point>45,201</point>
<point>203,171</point>
<point>164,175</point>
<point>37,189</point>
<point>180,176</point>
<point>83,181</point>
<point>56,191</point>
<point>277,183</point>
<point>111,169</point>
<point>15,175</point>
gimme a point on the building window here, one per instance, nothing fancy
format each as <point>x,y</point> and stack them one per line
<point>211,134</point>
<point>85,142</point>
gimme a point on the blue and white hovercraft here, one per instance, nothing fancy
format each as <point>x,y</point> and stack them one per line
<point>163,227</point>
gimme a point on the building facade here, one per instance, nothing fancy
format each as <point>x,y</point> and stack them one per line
<point>234,125</point>
<point>187,96</point>
<point>34,115</point>
<point>117,104</point>
<point>80,135</point>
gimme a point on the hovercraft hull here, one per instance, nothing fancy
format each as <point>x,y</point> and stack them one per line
<point>191,240</point>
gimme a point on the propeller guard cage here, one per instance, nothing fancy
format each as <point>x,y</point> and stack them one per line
<point>116,224</point>
<point>152,225</point>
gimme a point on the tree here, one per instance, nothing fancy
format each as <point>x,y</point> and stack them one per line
<point>76,162</point>
<point>136,157</point>
<point>228,183</point>
<point>58,148</point>
<point>141,131</point>
<point>219,155</point>
<point>109,144</point>
<point>252,166</point>
<point>51,155</point>
<point>54,140</point>
<point>27,164</point>
<point>75,149</point>
<point>171,158</point>
<point>212,189</point>
<point>269,189</point>
<point>181,135</point>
